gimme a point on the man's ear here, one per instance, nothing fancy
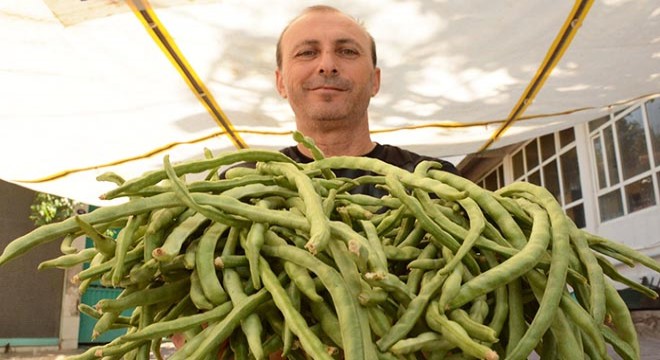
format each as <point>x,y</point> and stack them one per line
<point>279,83</point>
<point>375,87</point>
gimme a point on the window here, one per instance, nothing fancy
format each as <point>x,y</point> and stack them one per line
<point>493,180</point>
<point>551,161</point>
<point>626,150</point>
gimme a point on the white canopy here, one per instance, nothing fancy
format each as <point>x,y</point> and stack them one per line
<point>85,89</point>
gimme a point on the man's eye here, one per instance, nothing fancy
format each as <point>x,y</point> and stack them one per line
<point>305,53</point>
<point>348,52</point>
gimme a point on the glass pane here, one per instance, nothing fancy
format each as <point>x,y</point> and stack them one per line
<point>632,144</point>
<point>576,213</point>
<point>610,205</point>
<point>535,178</point>
<point>570,174</point>
<point>547,146</point>
<point>612,163</point>
<point>600,162</point>
<point>653,114</point>
<point>532,155</point>
<point>551,179</point>
<point>500,176</point>
<point>639,195</point>
<point>595,124</point>
<point>490,182</point>
<point>518,166</point>
<point>566,137</point>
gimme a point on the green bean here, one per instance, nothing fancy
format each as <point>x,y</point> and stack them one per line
<point>452,284</point>
<point>251,324</point>
<point>432,227</point>
<point>558,268</point>
<point>49,232</point>
<point>111,177</point>
<point>613,273</point>
<point>430,341</point>
<point>298,275</point>
<point>621,319</point>
<point>560,327</point>
<point>392,284</point>
<point>594,273</point>
<point>142,273</point>
<point>412,313</point>
<point>190,254</point>
<point>477,224</point>
<point>312,344</point>
<point>624,349</point>
<point>402,253</point>
<point>230,261</point>
<point>153,177</point>
<point>516,325</point>
<point>184,306</point>
<point>383,168</point>
<point>624,250</point>
<point>391,221</point>
<point>67,261</point>
<point>317,154</point>
<point>368,200</point>
<point>197,293</point>
<point>375,245</point>
<point>66,246</point>
<point>501,298</point>
<point>426,264</point>
<point>416,274</point>
<point>345,305</point>
<point>328,320</point>
<point>454,333</point>
<point>102,243</point>
<point>166,292</point>
<point>287,335</point>
<point>475,329</point>
<point>319,226</point>
<point>120,322</point>
<point>204,264</point>
<point>174,241</point>
<point>488,204</point>
<point>95,271</point>
<point>216,333</point>
<point>155,233</point>
<point>515,266</point>
<point>613,254</point>
<point>124,242</point>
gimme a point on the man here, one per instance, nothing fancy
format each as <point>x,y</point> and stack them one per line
<point>327,70</point>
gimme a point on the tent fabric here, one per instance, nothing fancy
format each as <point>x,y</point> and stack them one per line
<point>86,90</point>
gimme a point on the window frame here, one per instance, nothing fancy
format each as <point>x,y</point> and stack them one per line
<point>559,151</point>
<point>654,164</point>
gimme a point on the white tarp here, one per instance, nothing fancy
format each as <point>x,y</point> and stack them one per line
<point>83,85</point>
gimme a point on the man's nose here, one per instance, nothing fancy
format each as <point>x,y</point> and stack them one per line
<point>328,64</point>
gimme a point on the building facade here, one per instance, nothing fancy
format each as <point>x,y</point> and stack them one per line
<point>605,173</point>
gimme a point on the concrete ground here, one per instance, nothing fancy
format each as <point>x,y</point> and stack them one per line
<point>646,322</point>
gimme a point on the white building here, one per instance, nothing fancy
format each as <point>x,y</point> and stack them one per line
<point>605,173</point>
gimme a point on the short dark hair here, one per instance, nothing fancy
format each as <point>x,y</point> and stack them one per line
<point>322,8</point>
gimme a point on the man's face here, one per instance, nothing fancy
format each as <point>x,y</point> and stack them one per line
<point>327,71</point>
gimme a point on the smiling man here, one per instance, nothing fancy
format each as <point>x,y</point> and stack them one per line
<point>327,70</point>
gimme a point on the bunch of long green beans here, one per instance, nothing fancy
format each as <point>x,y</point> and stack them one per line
<point>283,257</point>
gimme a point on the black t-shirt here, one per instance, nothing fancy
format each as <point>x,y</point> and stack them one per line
<point>390,154</point>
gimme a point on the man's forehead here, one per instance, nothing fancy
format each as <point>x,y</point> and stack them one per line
<point>301,30</point>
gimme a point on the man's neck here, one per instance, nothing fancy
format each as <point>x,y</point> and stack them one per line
<point>339,140</point>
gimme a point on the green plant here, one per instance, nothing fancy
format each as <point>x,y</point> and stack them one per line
<point>48,208</point>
